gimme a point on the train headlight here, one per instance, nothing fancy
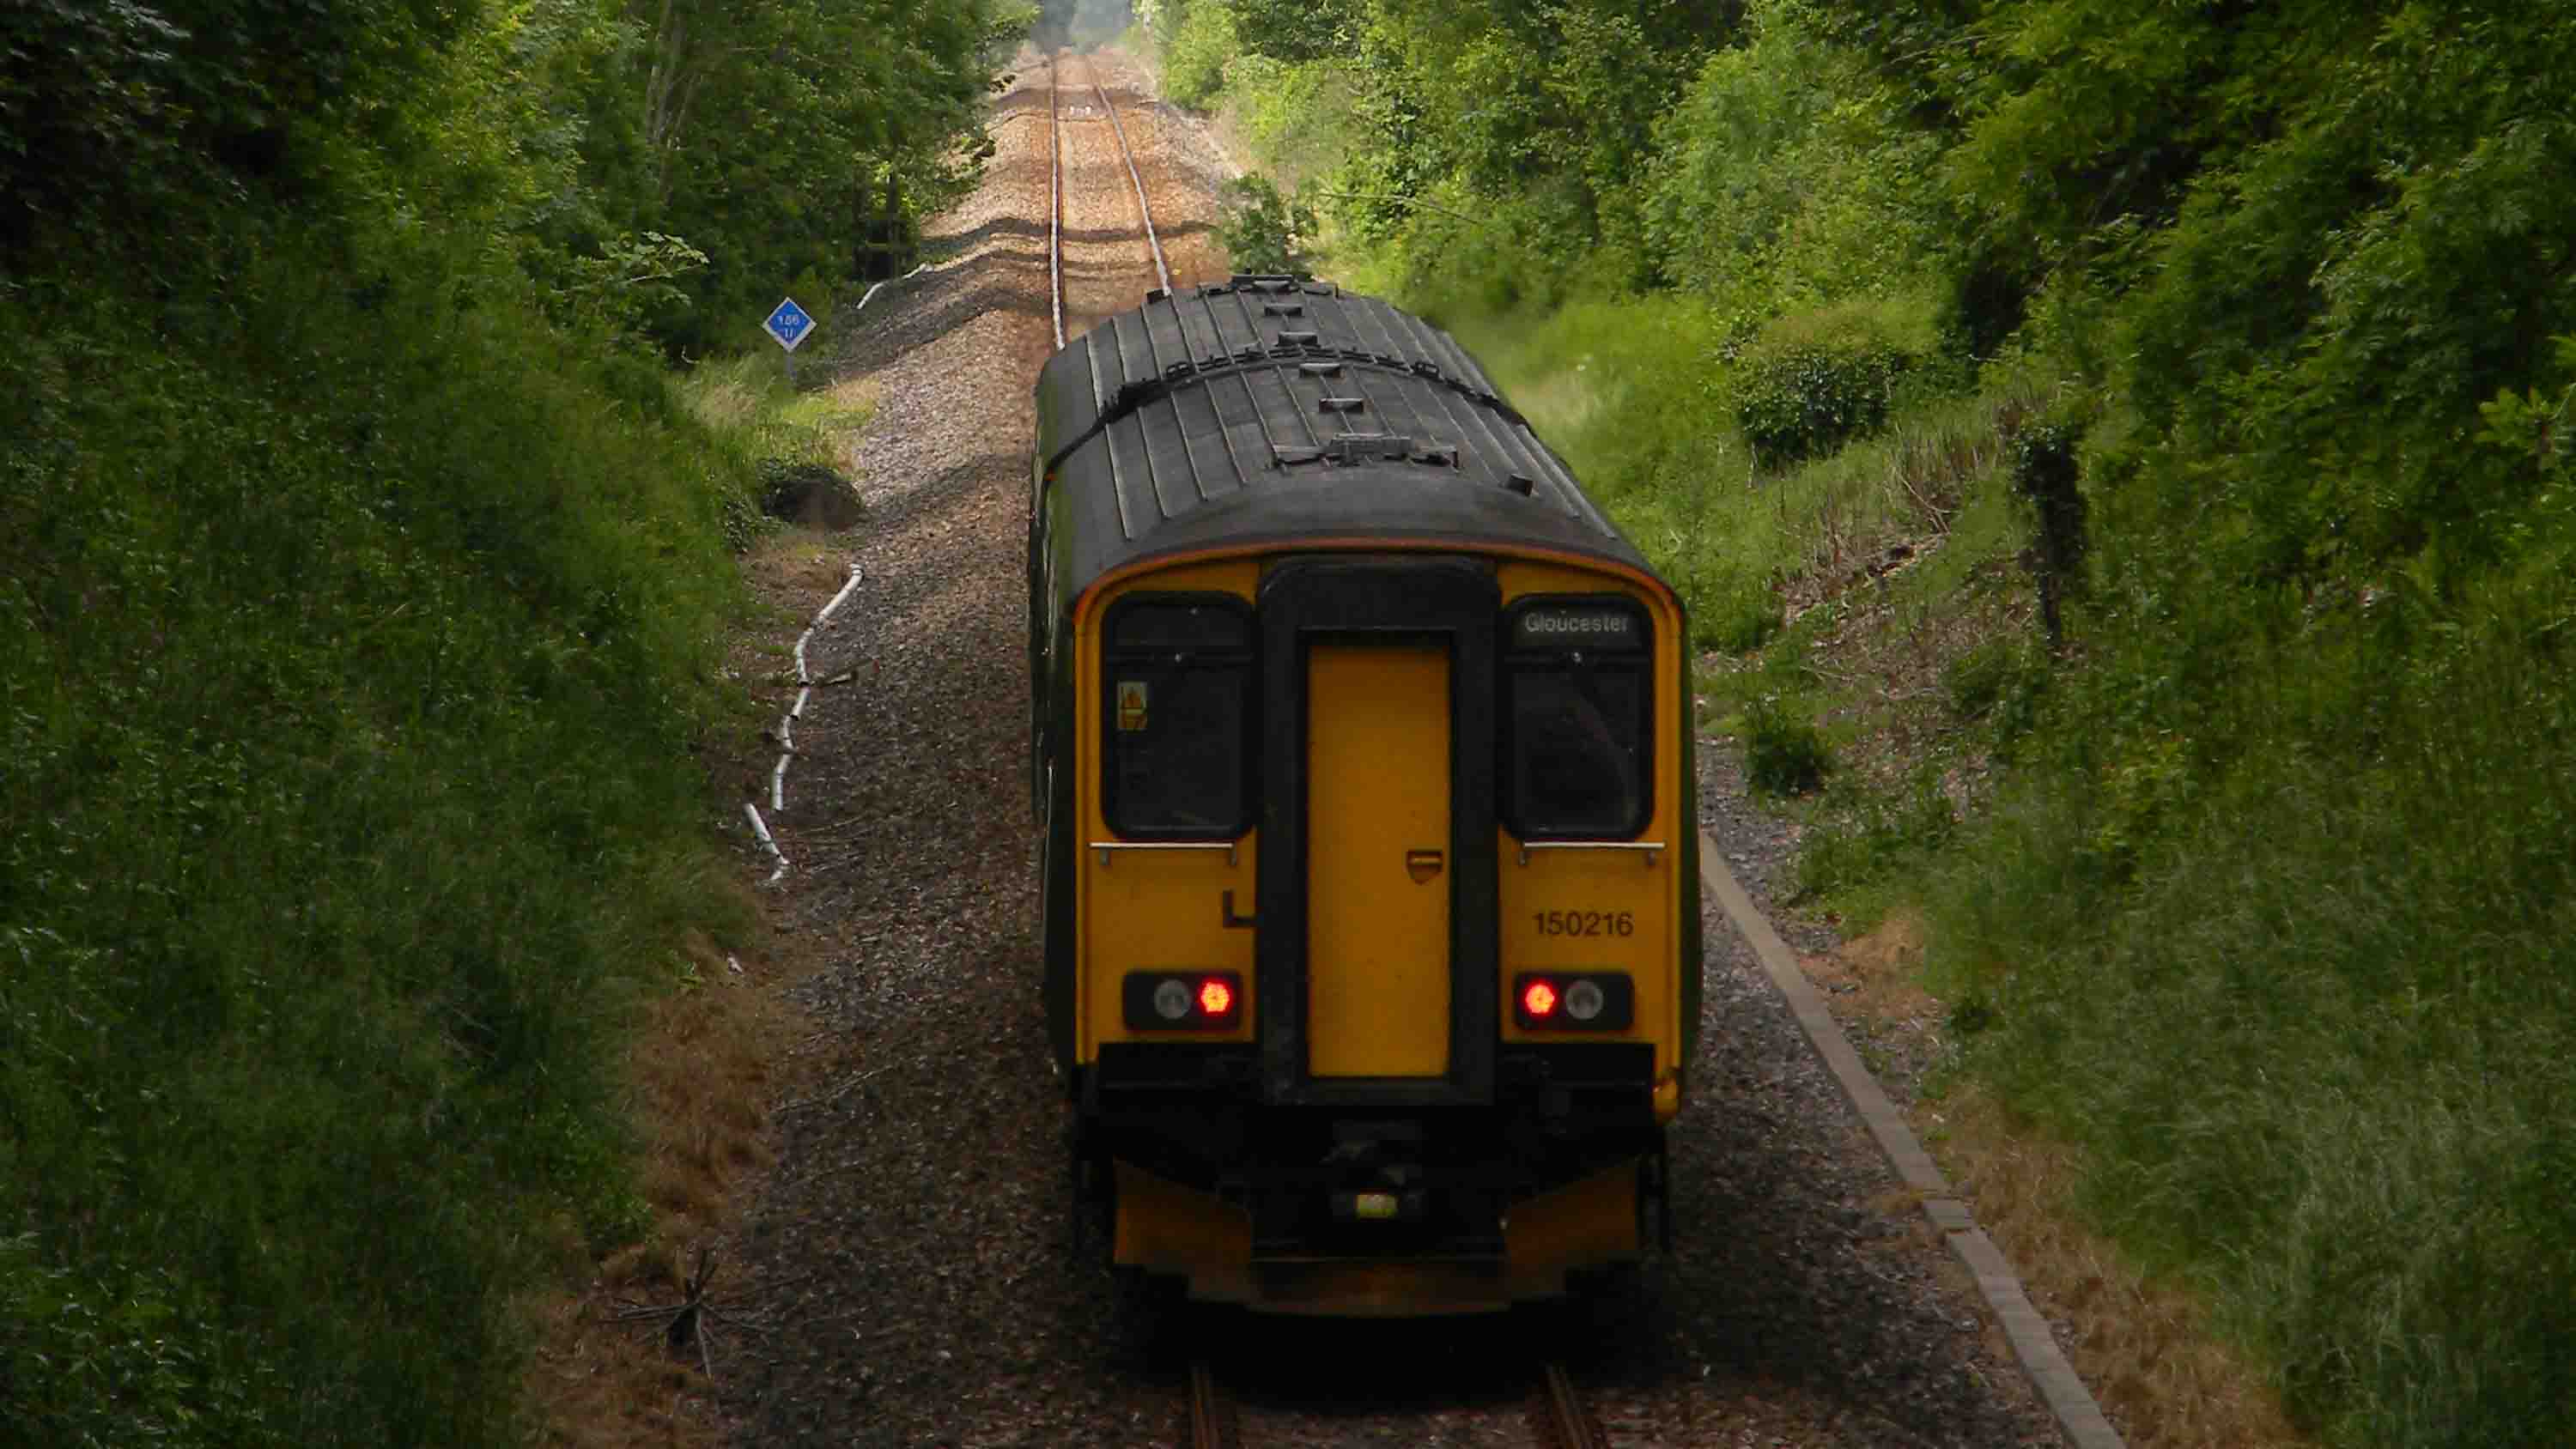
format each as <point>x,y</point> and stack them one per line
<point>1182,1000</point>
<point>1573,1001</point>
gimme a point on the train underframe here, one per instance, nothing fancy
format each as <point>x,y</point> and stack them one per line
<point>1362,1208</point>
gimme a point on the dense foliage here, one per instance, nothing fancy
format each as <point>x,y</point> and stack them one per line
<point>2253,330</point>
<point>361,584</point>
<point>675,162</point>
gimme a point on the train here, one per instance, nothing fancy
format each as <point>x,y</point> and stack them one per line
<point>1361,755</point>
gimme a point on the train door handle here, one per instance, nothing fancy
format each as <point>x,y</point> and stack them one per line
<point>1234,922</point>
<point>1422,865</point>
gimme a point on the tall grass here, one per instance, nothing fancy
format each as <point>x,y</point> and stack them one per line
<point>2313,1013</point>
<point>348,634</point>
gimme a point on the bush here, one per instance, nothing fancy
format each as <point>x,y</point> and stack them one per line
<point>1263,231</point>
<point>1784,753</point>
<point>1296,121</point>
<point>1737,617</point>
<point>1787,177</point>
<point>1867,840</point>
<point>1809,383</point>
<point>2001,682</point>
<point>1195,53</point>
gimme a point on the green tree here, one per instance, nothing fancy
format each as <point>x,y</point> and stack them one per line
<point>1297,31</point>
<point>768,135</point>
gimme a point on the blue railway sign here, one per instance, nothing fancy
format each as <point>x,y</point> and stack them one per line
<point>789,323</point>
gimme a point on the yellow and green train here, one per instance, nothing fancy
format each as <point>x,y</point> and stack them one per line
<point>1361,743</point>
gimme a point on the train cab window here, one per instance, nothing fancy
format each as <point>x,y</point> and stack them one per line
<point>1577,711</point>
<point>1177,717</point>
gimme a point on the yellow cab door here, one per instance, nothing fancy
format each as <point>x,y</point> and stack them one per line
<point>1376,936</point>
<point>1377,862</point>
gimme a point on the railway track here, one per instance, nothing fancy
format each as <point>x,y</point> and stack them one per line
<point>1056,185</point>
<point>1557,1417</point>
<point>1812,1319</point>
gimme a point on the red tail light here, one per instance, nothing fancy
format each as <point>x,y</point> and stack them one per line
<point>1161,1001</point>
<point>1573,1001</point>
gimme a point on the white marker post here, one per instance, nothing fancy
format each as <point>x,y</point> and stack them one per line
<point>790,324</point>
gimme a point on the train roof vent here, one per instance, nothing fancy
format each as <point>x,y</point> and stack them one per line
<point>1341,404</point>
<point>1349,448</point>
<point>1320,369</point>
<point>1299,339</point>
<point>1521,483</point>
<point>1283,309</point>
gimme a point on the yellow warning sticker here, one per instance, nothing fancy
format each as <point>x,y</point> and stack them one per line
<point>1131,704</point>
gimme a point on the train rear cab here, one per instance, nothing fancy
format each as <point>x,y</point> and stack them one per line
<point>1379,921</point>
<point>1361,743</point>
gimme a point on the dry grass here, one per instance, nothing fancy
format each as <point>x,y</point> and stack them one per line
<point>799,564</point>
<point>1878,976</point>
<point>704,1067</point>
<point>2144,1347</point>
<point>701,1074</point>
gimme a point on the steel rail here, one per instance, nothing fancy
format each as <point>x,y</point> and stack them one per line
<point>1211,1427</point>
<point>1563,1422</point>
<point>1144,208</point>
<point>1055,207</point>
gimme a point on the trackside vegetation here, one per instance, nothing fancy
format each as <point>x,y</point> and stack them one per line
<point>363,581</point>
<point>2203,375</point>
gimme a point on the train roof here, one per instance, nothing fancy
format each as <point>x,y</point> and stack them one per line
<point>1266,410</point>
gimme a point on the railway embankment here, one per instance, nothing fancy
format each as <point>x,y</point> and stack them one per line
<point>352,648</point>
<point>364,584</point>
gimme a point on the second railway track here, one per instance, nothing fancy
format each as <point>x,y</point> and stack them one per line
<point>1056,185</point>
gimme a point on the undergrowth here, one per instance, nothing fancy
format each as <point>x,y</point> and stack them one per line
<point>2368,900</point>
<point>348,638</point>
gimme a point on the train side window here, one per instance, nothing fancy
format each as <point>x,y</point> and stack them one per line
<point>1578,709</point>
<point>1178,718</point>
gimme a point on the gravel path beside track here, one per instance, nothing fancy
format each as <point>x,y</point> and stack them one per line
<point>910,1247</point>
